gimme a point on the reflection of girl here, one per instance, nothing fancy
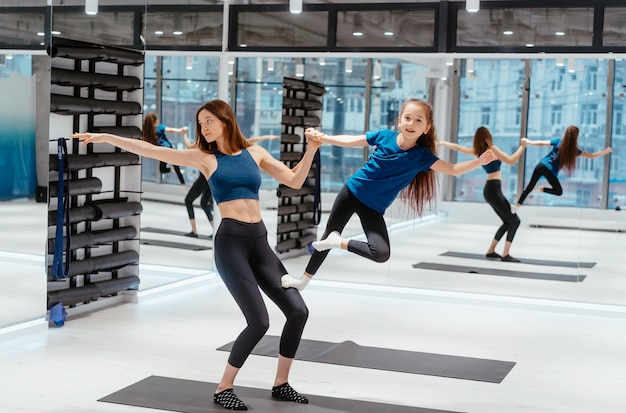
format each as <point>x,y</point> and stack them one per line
<point>493,188</point>
<point>154,133</point>
<point>562,156</point>
<point>402,161</point>
<point>243,257</point>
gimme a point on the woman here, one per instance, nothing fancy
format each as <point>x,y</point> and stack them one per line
<point>562,156</point>
<point>154,133</point>
<point>243,256</point>
<point>493,188</point>
<point>402,161</point>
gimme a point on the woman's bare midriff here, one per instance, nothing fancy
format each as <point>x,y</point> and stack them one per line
<point>244,210</point>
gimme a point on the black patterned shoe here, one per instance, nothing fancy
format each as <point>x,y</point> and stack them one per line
<point>229,400</point>
<point>287,393</point>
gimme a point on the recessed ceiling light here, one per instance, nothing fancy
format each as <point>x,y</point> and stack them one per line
<point>508,32</point>
<point>559,33</point>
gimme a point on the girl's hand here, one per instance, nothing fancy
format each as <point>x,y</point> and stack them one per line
<point>487,157</point>
<point>525,141</point>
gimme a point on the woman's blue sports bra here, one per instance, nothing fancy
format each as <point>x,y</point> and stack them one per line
<point>236,177</point>
<point>493,166</point>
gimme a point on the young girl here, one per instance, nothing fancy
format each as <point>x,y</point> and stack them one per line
<point>562,156</point>
<point>243,257</point>
<point>493,188</point>
<point>402,161</point>
<point>154,133</point>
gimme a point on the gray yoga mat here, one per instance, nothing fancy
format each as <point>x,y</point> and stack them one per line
<point>171,244</point>
<point>189,396</point>
<point>348,353</point>
<point>568,264</point>
<point>173,232</point>
<point>497,271</point>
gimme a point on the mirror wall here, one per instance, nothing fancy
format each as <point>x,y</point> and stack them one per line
<point>369,98</point>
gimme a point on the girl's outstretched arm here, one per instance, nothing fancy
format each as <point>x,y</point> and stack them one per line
<point>457,147</point>
<point>536,142</point>
<point>337,140</point>
<point>509,159</point>
<point>461,168</point>
<point>598,154</point>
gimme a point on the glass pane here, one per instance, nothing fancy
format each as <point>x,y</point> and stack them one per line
<point>191,28</point>
<point>614,33</point>
<point>22,28</point>
<point>563,95</point>
<point>525,27</point>
<point>107,28</point>
<point>386,28</point>
<point>282,29</point>
<point>617,175</point>
<point>491,97</point>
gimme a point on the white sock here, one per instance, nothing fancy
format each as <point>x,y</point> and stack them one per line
<point>333,240</point>
<point>287,281</point>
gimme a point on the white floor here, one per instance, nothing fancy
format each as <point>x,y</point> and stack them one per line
<point>568,344</point>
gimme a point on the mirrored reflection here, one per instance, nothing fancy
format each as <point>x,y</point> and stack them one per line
<point>490,96</point>
<point>386,28</point>
<point>527,27</point>
<point>270,29</point>
<point>614,32</point>
<point>189,28</point>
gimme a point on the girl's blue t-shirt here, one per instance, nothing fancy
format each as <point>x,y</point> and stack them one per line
<point>388,170</point>
<point>161,138</point>
<point>551,160</point>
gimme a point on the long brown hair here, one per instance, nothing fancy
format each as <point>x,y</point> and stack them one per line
<point>422,189</point>
<point>148,132</point>
<point>234,141</point>
<point>482,140</point>
<point>568,149</point>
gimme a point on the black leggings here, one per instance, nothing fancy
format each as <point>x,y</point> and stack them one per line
<point>164,169</point>
<point>494,197</point>
<point>377,246</point>
<point>200,187</point>
<point>539,171</point>
<point>246,263</point>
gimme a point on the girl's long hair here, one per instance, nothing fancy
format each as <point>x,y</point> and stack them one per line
<point>422,189</point>
<point>568,149</point>
<point>482,140</point>
<point>148,132</point>
<point>234,141</point>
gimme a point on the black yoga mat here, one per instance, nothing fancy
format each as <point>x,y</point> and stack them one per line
<point>348,353</point>
<point>497,271</point>
<point>172,232</point>
<point>170,244</point>
<point>190,396</point>
<point>568,264</point>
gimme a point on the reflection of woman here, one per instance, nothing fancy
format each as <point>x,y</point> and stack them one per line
<point>154,133</point>
<point>243,257</point>
<point>562,156</point>
<point>493,188</point>
<point>403,162</point>
<point>200,188</point>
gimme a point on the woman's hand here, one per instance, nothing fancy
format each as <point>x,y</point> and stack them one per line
<point>487,157</point>
<point>87,137</point>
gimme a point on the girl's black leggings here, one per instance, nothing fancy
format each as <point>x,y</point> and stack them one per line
<point>164,169</point>
<point>377,246</point>
<point>200,188</point>
<point>494,197</point>
<point>246,263</point>
<point>539,171</point>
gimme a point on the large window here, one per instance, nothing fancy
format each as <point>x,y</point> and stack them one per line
<point>617,175</point>
<point>259,102</point>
